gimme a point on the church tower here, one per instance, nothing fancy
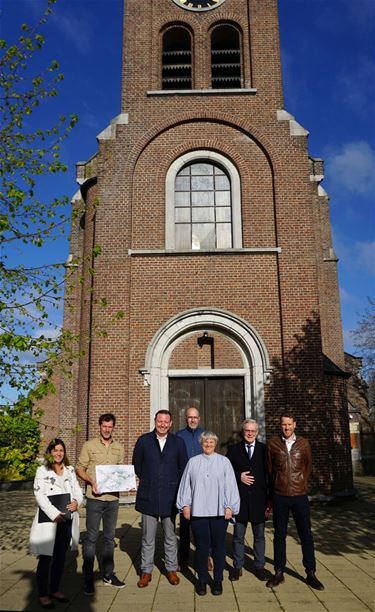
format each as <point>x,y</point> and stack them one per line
<point>214,242</point>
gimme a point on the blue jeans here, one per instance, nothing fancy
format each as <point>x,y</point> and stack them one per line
<point>259,544</point>
<point>97,510</point>
<point>209,532</point>
<point>299,507</point>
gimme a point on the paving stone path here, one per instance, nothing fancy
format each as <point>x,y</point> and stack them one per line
<point>344,540</point>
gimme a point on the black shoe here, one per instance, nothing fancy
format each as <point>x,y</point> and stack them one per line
<point>89,588</point>
<point>201,588</point>
<point>260,573</point>
<point>313,582</point>
<point>277,579</point>
<point>60,598</point>
<point>235,574</point>
<point>112,580</point>
<point>217,589</point>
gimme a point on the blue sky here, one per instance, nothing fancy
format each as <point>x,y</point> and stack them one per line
<point>328,59</point>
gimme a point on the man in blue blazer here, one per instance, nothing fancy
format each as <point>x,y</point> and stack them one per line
<point>159,460</point>
<point>248,459</point>
<point>190,435</point>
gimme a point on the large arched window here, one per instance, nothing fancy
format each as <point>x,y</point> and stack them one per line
<point>176,59</point>
<point>203,210</point>
<point>226,58</point>
<point>203,207</point>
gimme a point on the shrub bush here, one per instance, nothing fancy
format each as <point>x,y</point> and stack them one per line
<point>19,446</point>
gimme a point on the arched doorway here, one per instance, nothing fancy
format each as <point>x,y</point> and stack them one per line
<point>214,359</point>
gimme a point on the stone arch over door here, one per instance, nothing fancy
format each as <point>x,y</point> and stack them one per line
<point>256,366</point>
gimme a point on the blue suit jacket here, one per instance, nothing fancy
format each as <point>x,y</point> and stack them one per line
<point>159,473</point>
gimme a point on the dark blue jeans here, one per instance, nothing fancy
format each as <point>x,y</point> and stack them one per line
<point>299,507</point>
<point>97,511</point>
<point>209,533</point>
<point>50,569</point>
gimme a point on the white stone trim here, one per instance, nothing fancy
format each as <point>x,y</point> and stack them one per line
<point>316,178</point>
<point>109,133</point>
<point>158,252</point>
<point>322,192</point>
<point>295,128</point>
<point>173,170</point>
<point>256,364</point>
<point>200,92</point>
<point>77,197</point>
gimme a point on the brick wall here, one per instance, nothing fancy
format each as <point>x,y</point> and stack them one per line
<point>289,297</point>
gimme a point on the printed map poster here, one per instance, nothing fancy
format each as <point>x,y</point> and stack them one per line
<point>114,478</point>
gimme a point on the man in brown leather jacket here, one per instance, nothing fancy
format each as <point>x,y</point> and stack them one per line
<point>289,464</point>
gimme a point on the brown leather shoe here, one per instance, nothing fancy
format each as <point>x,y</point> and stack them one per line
<point>173,578</point>
<point>210,565</point>
<point>277,579</point>
<point>144,580</point>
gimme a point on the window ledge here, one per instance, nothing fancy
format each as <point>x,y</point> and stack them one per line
<point>200,92</point>
<point>159,252</point>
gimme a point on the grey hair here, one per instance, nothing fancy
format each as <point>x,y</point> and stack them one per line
<point>208,435</point>
<point>249,422</point>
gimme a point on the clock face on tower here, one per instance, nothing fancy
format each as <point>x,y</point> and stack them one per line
<point>198,5</point>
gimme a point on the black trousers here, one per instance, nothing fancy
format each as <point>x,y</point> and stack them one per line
<point>299,507</point>
<point>50,569</point>
<point>184,545</point>
<point>209,532</point>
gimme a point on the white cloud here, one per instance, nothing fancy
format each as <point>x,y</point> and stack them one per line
<point>354,256</point>
<point>366,256</point>
<point>345,296</point>
<point>352,168</point>
<point>355,15</point>
<point>75,28</point>
<point>355,86</point>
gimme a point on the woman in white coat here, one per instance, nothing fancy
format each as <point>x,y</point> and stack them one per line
<point>50,540</point>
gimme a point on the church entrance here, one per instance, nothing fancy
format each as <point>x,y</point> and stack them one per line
<point>220,401</point>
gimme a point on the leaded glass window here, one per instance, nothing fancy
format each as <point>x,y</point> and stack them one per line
<point>203,207</point>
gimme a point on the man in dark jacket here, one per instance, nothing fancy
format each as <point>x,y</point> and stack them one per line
<point>289,464</point>
<point>159,460</point>
<point>190,435</point>
<point>248,459</point>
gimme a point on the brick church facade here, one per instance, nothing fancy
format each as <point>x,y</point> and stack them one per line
<point>215,243</point>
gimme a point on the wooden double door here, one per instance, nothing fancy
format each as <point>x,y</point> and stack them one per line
<point>220,401</point>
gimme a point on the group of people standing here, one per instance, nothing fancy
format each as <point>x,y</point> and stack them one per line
<point>179,473</point>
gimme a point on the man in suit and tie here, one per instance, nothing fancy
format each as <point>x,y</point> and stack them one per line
<point>248,459</point>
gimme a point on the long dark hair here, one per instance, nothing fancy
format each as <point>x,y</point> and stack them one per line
<point>48,459</point>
